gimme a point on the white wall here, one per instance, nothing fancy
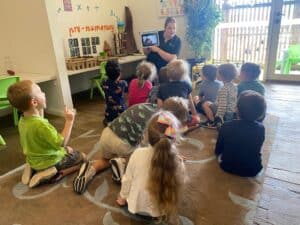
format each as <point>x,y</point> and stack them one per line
<point>91,13</point>
<point>25,37</point>
<point>146,18</point>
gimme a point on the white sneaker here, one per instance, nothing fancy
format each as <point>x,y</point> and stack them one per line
<point>118,166</point>
<point>84,176</point>
<point>42,176</point>
<point>27,173</point>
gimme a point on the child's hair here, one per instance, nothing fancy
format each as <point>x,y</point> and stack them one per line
<point>178,70</point>
<point>112,69</point>
<point>251,70</point>
<point>164,182</point>
<point>162,75</point>
<point>251,105</point>
<point>227,71</point>
<point>178,106</point>
<point>20,94</point>
<point>209,72</point>
<point>145,71</point>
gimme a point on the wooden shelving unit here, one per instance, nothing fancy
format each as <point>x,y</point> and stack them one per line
<point>120,40</point>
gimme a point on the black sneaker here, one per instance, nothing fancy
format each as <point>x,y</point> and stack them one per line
<point>219,122</point>
<point>85,174</point>
<point>208,124</point>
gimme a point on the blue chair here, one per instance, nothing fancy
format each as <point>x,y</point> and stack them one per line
<point>98,81</point>
<point>5,82</point>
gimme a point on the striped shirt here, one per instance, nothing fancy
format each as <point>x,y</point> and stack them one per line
<point>226,99</point>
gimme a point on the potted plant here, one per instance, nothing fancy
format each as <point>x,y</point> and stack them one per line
<point>202,18</point>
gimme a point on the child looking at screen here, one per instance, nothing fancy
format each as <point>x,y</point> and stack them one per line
<point>140,87</point>
<point>114,89</point>
<point>248,76</point>
<point>224,107</point>
<point>208,88</point>
<point>239,142</point>
<point>155,174</point>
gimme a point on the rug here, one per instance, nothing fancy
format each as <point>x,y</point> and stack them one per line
<point>210,196</point>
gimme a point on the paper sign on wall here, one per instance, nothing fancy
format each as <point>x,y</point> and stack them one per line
<point>68,5</point>
<point>171,8</point>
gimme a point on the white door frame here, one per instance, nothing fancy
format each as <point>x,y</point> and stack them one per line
<point>272,45</point>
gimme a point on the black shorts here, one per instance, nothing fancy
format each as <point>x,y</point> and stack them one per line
<point>70,160</point>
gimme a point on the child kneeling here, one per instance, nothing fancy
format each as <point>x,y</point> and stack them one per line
<point>155,174</point>
<point>45,149</point>
<point>239,142</point>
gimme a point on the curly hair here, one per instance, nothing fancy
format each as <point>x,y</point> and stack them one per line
<point>164,181</point>
<point>112,69</point>
<point>227,71</point>
<point>145,71</point>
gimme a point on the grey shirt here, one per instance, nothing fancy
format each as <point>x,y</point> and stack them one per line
<point>208,90</point>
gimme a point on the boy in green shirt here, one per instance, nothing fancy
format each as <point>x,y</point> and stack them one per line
<point>45,149</point>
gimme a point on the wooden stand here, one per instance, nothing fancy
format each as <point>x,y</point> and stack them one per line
<point>120,40</point>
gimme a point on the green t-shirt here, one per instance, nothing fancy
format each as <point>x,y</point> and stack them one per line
<point>41,143</point>
<point>130,125</point>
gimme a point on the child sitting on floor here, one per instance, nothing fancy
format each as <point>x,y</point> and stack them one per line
<point>45,149</point>
<point>155,174</point>
<point>179,85</point>
<point>114,89</point>
<point>208,88</point>
<point>239,142</point>
<point>224,107</point>
<point>140,87</point>
<point>122,136</point>
<point>248,76</point>
<point>162,78</point>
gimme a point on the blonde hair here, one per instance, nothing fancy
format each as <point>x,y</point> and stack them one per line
<point>145,71</point>
<point>178,106</point>
<point>164,181</point>
<point>178,70</point>
<point>20,94</point>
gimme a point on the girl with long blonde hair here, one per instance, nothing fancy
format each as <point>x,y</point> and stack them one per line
<point>155,174</point>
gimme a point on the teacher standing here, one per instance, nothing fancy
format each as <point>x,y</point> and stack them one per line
<point>169,45</point>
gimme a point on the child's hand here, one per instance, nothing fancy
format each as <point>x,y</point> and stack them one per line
<point>69,114</point>
<point>121,201</point>
<point>196,99</point>
<point>182,157</point>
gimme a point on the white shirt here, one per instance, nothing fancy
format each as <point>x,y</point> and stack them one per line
<point>135,180</point>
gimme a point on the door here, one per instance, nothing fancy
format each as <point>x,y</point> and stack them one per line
<point>283,48</point>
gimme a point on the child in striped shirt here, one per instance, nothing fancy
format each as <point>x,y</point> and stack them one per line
<point>225,106</point>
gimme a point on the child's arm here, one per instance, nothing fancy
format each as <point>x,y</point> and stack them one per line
<point>159,103</point>
<point>222,103</point>
<point>192,106</point>
<point>69,117</point>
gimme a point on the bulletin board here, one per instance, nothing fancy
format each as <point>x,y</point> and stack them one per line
<point>170,8</point>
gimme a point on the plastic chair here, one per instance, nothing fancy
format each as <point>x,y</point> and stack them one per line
<point>98,81</point>
<point>5,82</point>
<point>292,56</point>
<point>2,142</point>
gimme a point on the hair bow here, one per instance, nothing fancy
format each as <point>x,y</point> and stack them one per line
<point>167,120</point>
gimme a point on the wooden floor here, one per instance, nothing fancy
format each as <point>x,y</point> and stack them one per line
<point>280,199</point>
